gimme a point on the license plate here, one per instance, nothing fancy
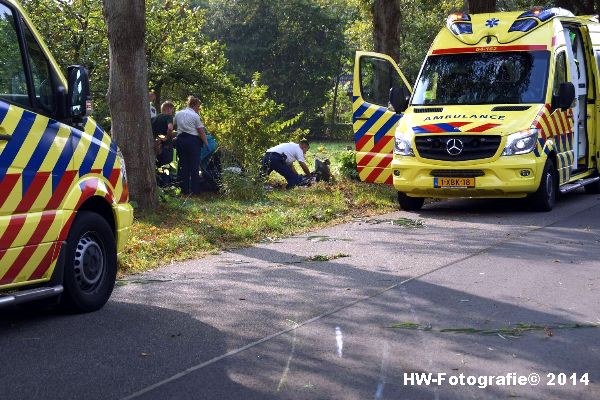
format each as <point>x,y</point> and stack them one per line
<point>443,183</point>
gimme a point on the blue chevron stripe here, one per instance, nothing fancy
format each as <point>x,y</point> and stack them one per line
<point>65,157</point>
<point>39,153</point>
<point>16,142</point>
<point>3,110</point>
<point>360,111</point>
<point>386,127</point>
<point>369,124</point>
<point>92,153</point>
<point>110,160</point>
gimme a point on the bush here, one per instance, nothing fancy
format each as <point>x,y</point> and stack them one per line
<point>347,164</point>
<point>240,185</point>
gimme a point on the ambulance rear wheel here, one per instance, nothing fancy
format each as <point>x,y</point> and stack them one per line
<point>544,198</point>
<point>410,203</point>
<point>90,267</point>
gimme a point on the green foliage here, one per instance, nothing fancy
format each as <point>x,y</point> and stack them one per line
<point>247,124</point>
<point>296,45</point>
<point>181,61</point>
<point>75,32</point>
<point>242,186</point>
<point>347,164</point>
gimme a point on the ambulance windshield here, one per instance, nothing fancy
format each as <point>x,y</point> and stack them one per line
<point>483,78</point>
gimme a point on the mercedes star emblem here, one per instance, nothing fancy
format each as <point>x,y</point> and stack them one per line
<point>454,147</point>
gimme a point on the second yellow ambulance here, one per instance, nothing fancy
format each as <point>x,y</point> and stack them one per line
<point>505,105</point>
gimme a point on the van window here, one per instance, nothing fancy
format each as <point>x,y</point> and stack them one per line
<point>515,77</point>
<point>560,73</point>
<point>40,72</point>
<point>377,77</point>
<point>13,84</point>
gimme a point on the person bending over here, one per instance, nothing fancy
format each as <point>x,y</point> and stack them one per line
<point>281,158</point>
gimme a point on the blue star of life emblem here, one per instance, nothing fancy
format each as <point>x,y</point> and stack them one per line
<point>492,22</point>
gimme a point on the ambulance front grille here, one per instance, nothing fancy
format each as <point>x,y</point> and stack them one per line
<point>474,147</point>
<point>457,173</point>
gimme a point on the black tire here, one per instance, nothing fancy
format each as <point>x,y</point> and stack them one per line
<point>593,188</point>
<point>90,267</point>
<point>544,198</point>
<point>410,203</point>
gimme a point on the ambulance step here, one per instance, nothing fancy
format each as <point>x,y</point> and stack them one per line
<point>30,295</point>
<point>569,187</point>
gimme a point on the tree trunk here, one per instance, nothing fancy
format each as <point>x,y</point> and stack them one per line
<point>128,96</point>
<point>482,6</point>
<point>386,27</point>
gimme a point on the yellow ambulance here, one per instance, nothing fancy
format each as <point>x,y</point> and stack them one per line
<point>506,105</point>
<point>64,211</point>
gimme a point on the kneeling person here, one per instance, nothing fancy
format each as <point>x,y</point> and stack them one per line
<point>281,159</point>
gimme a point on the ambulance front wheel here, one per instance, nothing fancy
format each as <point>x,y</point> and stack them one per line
<point>90,267</point>
<point>410,203</point>
<point>545,197</point>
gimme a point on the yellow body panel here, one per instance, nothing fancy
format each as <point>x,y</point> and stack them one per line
<point>48,170</point>
<point>496,175</point>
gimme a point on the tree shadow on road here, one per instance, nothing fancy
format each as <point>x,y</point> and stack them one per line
<point>110,354</point>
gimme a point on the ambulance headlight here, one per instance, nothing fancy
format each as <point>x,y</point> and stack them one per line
<point>402,146</point>
<point>521,142</point>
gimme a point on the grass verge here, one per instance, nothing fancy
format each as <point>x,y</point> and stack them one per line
<point>184,228</point>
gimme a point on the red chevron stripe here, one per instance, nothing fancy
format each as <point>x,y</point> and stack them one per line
<point>61,190</point>
<point>12,231</point>
<point>382,143</point>
<point>556,130</point>
<point>389,180</point>
<point>538,124</point>
<point>31,246</point>
<point>366,159</point>
<point>7,185</point>
<point>362,142</point>
<point>14,227</point>
<point>378,170</point>
<point>483,128</point>
<point>33,192</point>
<point>45,263</point>
<point>114,177</point>
<point>550,133</point>
<point>88,190</point>
<point>432,128</point>
<point>562,123</point>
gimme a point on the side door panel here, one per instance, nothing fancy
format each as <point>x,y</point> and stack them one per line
<point>373,122</point>
<point>31,147</point>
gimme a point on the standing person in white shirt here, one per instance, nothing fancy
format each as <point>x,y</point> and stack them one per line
<point>281,158</point>
<point>152,98</point>
<point>191,135</point>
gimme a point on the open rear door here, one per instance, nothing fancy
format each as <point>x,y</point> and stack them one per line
<point>374,119</point>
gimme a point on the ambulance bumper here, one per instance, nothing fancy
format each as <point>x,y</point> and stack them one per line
<point>507,176</point>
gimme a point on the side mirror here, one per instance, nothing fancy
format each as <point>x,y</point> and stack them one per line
<point>79,102</point>
<point>565,97</point>
<point>399,98</point>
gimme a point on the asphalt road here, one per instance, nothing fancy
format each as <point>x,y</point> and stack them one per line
<point>311,317</point>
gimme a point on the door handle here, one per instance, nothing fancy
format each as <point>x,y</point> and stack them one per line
<point>5,137</point>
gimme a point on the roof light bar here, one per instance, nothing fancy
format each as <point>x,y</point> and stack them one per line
<point>459,23</point>
<point>532,18</point>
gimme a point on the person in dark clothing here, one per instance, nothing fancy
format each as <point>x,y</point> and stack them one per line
<point>281,158</point>
<point>162,128</point>
<point>191,136</point>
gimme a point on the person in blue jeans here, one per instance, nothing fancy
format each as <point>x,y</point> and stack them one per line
<point>281,158</point>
